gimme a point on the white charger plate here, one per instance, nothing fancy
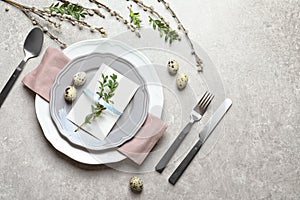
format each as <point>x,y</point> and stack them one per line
<point>103,46</point>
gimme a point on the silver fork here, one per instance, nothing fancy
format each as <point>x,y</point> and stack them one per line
<point>195,116</point>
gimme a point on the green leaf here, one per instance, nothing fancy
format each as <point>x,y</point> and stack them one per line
<point>71,7</point>
<point>154,26</point>
<point>78,8</point>
<point>135,18</point>
<point>62,10</point>
<point>77,16</point>
<point>113,76</point>
<point>88,118</point>
<point>55,10</point>
<point>160,32</point>
<point>66,4</point>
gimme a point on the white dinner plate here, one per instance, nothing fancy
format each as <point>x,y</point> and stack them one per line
<point>103,46</point>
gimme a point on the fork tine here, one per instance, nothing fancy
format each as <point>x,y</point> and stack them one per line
<point>211,97</point>
<point>206,101</point>
<point>204,96</point>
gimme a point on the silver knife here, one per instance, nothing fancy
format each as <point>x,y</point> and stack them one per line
<point>203,135</point>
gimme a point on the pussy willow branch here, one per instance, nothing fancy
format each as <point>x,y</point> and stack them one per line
<point>47,16</point>
<point>27,10</point>
<point>117,16</point>
<point>197,58</point>
<point>80,23</point>
<point>53,37</point>
<point>150,9</point>
<point>113,13</point>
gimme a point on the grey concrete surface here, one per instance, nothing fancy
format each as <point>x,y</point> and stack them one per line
<point>255,47</point>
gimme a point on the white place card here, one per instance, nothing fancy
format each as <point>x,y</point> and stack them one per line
<point>102,125</point>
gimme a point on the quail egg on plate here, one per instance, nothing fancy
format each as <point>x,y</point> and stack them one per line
<point>173,67</point>
<point>182,80</point>
<point>79,79</point>
<point>70,93</point>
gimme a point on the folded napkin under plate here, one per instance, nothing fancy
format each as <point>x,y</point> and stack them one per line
<point>40,81</point>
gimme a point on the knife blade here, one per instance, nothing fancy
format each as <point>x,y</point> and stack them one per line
<point>203,135</point>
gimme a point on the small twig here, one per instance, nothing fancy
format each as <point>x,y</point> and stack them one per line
<point>150,9</point>
<point>76,20</point>
<point>27,10</point>
<point>134,18</point>
<point>47,32</point>
<point>114,14</point>
<point>180,26</point>
<point>47,15</point>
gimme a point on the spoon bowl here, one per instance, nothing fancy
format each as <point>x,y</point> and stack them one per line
<point>33,43</point>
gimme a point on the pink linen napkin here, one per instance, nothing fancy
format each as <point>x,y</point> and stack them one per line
<point>41,79</point>
<point>139,147</point>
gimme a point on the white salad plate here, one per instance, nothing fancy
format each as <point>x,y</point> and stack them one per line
<point>144,67</point>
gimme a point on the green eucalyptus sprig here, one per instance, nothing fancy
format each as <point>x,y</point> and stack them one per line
<point>107,87</point>
<point>163,28</point>
<point>68,8</point>
<point>134,17</point>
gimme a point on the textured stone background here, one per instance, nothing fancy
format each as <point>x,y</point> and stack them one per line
<point>255,46</point>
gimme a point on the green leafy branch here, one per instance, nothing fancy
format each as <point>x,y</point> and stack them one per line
<point>134,18</point>
<point>111,83</point>
<point>107,87</point>
<point>68,8</point>
<point>163,28</point>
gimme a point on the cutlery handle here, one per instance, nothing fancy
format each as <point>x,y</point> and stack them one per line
<point>185,163</point>
<point>172,149</point>
<point>11,82</point>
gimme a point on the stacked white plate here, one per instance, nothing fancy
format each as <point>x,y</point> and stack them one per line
<point>78,148</point>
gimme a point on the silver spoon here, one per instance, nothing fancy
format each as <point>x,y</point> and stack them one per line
<point>32,48</point>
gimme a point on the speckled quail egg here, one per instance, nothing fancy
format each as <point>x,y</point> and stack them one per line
<point>173,67</point>
<point>182,80</point>
<point>79,79</point>
<point>70,93</point>
<point>136,184</point>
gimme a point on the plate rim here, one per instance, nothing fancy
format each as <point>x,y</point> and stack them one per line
<point>106,145</point>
